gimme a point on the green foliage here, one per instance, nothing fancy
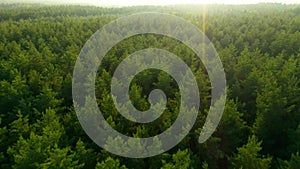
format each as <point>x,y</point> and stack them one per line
<point>110,163</point>
<point>293,163</point>
<point>248,156</point>
<point>181,159</point>
<point>232,129</point>
<point>41,149</point>
<point>277,108</point>
<point>259,48</point>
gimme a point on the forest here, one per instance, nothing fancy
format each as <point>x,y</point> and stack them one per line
<point>259,46</point>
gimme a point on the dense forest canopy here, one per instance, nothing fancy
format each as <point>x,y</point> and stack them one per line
<point>259,46</point>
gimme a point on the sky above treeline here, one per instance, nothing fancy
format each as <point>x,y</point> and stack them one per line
<point>149,2</point>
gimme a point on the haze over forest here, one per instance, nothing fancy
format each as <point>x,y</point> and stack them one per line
<point>147,2</point>
<point>259,46</point>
